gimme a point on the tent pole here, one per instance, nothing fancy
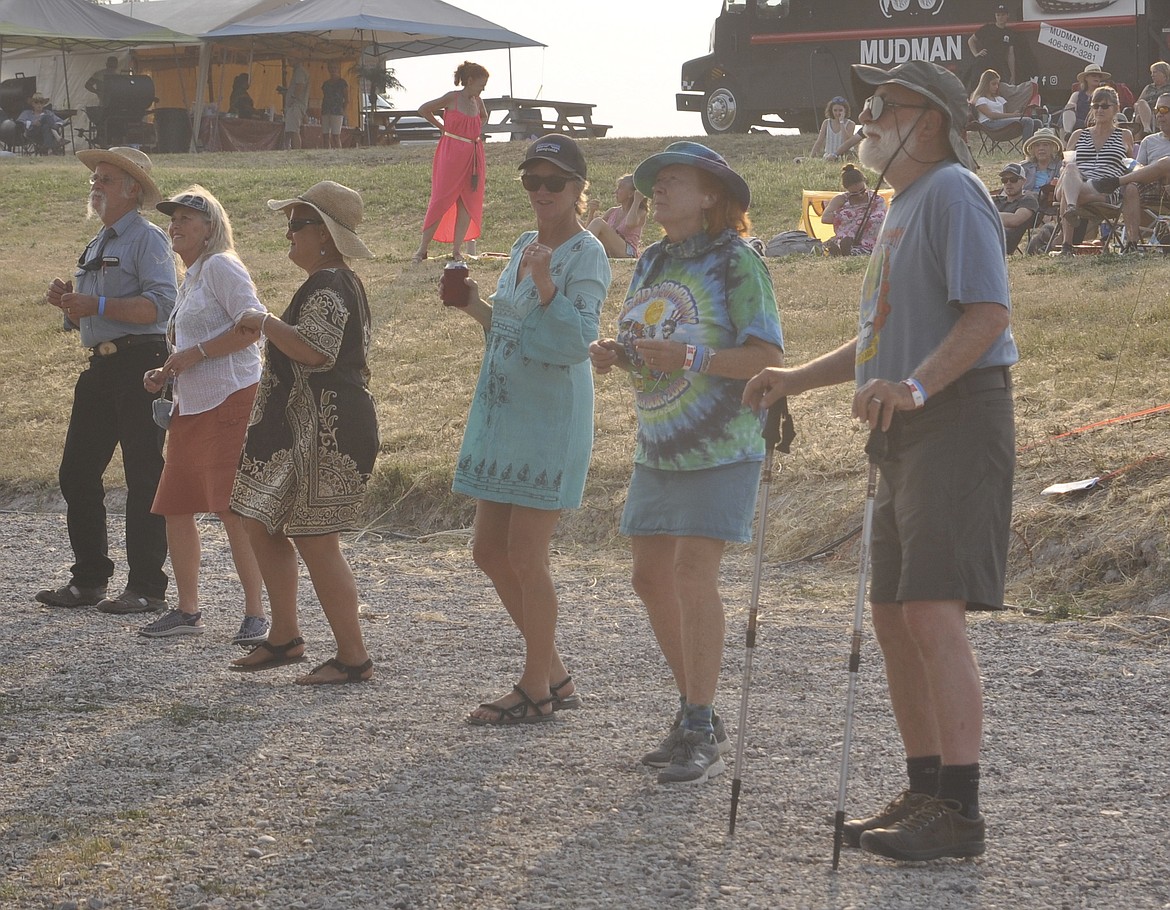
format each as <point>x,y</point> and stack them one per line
<point>511,91</point>
<point>200,93</point>
<point>68,103</point>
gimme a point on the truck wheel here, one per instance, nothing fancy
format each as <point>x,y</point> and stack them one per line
<point>723,113</point>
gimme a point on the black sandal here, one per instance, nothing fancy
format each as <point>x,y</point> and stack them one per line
<point>525,711</point>
<point>350,674</point>
<point>568,701</point>
<point>280,656</point>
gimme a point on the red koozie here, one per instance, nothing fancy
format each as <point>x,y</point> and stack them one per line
<point>453,289</point>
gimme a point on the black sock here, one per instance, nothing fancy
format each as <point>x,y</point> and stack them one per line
<point>923,773</point>
<point>960,783</point>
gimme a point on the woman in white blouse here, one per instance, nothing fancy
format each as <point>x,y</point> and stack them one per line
<point>214,372</point>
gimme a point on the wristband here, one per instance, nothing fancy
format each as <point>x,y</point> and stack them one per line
<point>917,392</point>
<point>689,359</point>
<point>705,361</point>
<point>201,350</point>
<point>101,306</point>
<point>262,321</point>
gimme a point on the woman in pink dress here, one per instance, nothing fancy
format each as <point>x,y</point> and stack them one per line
<point>455,213</point>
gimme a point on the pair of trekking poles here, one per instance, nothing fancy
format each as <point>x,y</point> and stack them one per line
<point>779,433</point>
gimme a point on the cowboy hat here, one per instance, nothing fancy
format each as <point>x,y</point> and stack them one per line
<point>692,154</point>
<point>341,209</point>
<point>134,162</point>
<point>1093,69</point>
<point>1044,134</point>
<point>38,98</point>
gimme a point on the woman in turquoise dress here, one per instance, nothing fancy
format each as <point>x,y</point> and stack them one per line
<point>529,435</point>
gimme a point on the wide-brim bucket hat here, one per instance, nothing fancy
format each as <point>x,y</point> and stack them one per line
<point>341,210</point>
<point>134,162</point>
<point>937,85</point>
<point>692,154</point>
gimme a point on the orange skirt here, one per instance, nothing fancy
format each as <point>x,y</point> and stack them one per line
<point>203,453</point>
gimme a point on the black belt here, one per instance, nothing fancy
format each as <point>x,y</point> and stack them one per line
<point>117,345</point>
<point>973,381</point>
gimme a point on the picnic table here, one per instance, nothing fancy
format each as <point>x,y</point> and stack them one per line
<point>522,119</point>
<point>530,118</point>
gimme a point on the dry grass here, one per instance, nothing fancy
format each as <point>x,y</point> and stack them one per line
<point>1093,334</point>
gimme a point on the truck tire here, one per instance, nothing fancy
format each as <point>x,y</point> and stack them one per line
<point>722,112</point>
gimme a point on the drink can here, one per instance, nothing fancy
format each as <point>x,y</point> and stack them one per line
<point>453,289</point>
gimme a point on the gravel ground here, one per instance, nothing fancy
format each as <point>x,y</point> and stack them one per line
<point>141,774</point>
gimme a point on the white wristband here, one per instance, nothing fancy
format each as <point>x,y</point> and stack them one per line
<point>917,392</point>
<point>689,359</point>
<point>202,350</point>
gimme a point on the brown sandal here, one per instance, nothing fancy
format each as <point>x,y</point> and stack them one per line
<point>568,701</point>
<point>280,657</point>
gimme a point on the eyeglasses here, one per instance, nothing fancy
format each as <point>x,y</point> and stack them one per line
<point>1162,109</point>
<point>554,183</point>
<point>1101,105</point>
<point>102,179</point>
<point>876,105</point>
<point>295,224</point>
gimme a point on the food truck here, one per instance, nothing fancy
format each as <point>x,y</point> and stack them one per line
<point>778,62</point>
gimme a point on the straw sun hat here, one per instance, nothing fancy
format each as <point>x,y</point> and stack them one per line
<point>340,208</point>
<point>134,162</point>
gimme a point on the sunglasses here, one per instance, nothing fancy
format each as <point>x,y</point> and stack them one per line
<point>1008,179</point>
<point>295,224</point>
<point>876,105</point>
<point>554,183</point>
<point>1101,105</point>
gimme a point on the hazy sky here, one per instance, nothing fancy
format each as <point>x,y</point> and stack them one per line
<point>625,56</point>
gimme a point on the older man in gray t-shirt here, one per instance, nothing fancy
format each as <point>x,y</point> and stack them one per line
<point>931,365</point>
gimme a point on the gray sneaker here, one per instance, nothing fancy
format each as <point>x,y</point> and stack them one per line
<point>129,602</point>
<point>695,758</point>
<point>902,805</point>
<point>660,757</point>
<point>71,596</point>
<point>935,829</point>
<point>174,622</point>
<point>253,630</point>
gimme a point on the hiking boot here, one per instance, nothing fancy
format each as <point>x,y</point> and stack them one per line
<point>174,622</point>
<point>253,630</point>
<point>129,602</point>
<point>660,757</point>
<point>695,758</point>
<point>900,806</point>
<point>934,829</point>
<point>71,596</point>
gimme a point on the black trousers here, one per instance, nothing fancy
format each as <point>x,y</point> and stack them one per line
<point>111,408</point>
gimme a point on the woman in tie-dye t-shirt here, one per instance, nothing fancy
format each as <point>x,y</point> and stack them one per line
<point>699,317</point>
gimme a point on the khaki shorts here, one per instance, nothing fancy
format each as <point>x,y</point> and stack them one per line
<point>294,117</point>
<point>942,516</point>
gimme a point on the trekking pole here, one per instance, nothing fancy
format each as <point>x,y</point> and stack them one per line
<point>875,448</point>
<point>778,433</point>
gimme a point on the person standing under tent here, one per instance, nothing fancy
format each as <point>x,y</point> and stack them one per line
<point>334,98</point>
<point>455,212</point>
<point>931,363</point>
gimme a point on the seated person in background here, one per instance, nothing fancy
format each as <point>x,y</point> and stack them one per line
<point>1074,114</point>
<point>241,103</point>
<point>989,104</point>
<point>1043,161</point>
<point>1144,106</point>
<point>1017,209</point>
<point>856,216</point>
<point>1099,150</point>
<point>1152,175</point>
<point>620,228</point>
<point>836,130</point>
<point>42,126</point>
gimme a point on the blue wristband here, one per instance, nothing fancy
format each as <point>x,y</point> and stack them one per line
<point>101,306</point>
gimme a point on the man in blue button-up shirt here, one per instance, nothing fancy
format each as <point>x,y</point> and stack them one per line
<point>123,298</point>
